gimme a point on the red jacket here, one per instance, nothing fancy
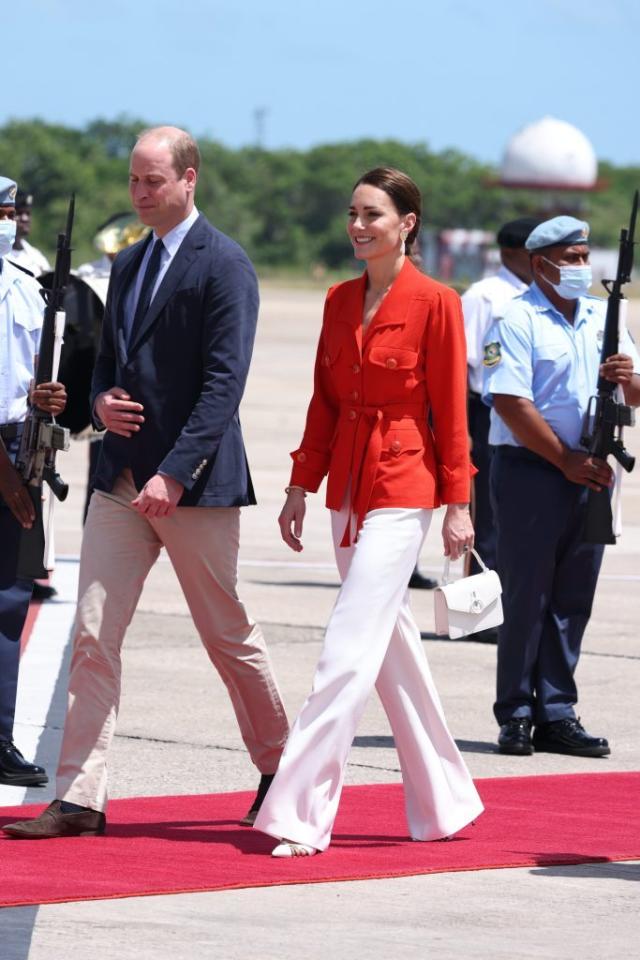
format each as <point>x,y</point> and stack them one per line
<point>368,417</point>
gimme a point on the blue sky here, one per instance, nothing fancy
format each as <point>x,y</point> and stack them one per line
<point>466,74</point>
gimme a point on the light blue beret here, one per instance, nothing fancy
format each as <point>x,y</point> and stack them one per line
<point>561,231</point>
<point>8,190</point>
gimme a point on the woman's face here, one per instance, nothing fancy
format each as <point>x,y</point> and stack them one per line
<point>374,225</point>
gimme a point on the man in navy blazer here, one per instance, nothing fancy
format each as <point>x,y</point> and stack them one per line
<point>177,338</point>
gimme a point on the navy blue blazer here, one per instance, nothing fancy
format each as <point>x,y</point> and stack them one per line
<point>187,365</point>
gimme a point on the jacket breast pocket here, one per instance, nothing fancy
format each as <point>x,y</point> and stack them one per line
<point>393,358</point>
<point>550,351</point>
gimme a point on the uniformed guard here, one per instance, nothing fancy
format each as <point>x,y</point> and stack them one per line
<point>542,362</point>
<point>24,254</point>
<point>21,314</point>
<point>484,303</point>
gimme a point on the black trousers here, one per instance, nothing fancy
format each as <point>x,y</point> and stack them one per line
<point>15,594</point>
<point>549,578</point>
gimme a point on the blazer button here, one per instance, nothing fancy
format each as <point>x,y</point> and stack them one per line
<point>327,360</point>
<point>356,368</point>
<point>396,446</point>
<point>352,414</point>
<point>302,457</point>
<point>392,363</point>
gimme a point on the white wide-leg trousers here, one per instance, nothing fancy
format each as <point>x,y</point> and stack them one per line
<point>371,639</point>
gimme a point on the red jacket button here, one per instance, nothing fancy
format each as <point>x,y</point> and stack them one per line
<point>392,363</point>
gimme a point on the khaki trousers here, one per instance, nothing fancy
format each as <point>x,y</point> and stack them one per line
<point>119,548</point>
<point>371,640</point>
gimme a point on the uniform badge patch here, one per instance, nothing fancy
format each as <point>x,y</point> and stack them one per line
<point>492,354</point>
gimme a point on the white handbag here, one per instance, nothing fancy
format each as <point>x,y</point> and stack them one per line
<point>468,605</point>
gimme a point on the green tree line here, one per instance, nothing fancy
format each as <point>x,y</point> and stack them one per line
<point>286,207</point>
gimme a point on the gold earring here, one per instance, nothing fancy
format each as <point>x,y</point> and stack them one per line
<point>403,237</point>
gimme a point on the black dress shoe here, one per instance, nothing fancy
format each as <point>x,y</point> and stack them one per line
<point>54,823</point>
<point>419,582</point>
<point>15,771</point>
<point>263,786</point>
<point>515,737</point>
<point>43,591</point>
<point>569,736</point>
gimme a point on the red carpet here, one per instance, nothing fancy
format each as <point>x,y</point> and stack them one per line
<point>159,845</point>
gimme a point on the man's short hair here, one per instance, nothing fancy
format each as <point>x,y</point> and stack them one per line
<point>184,149</point>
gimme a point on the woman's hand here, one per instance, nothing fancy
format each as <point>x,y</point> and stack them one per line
<point>457,530</point>
<point>293,514</point>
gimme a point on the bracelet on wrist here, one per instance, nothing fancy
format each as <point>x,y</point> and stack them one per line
<point>294,486</point>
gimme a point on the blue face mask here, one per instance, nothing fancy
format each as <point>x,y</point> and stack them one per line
<point>7,236</point>
<point>574,281</point>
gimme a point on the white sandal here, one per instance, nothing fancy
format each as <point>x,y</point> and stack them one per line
<point>287,848</point>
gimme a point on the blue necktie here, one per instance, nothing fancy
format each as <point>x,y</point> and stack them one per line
<point>148,283</point>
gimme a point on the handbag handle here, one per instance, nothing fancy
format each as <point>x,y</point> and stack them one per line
<point>445,575</point>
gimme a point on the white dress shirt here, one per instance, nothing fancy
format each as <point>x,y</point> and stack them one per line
<point>483,304</point>
<point>30,258</point>
<point>170,246</point>
<point>21,313</point>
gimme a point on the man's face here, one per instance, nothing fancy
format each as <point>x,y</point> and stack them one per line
<point>23,222</point>
<point>160,197</point>
<point>7,213</point>
<point>547,262</point>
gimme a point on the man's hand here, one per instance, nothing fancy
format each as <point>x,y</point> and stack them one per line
<point>119,413</point>
<point>617,369</point>
<point>15,494</point>
<point>159,497</point>
<point>50,397</point>
<point>581,467</point>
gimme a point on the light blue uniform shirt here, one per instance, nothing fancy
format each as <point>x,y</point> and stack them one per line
<point>533,352</point>
<point>21,313</point>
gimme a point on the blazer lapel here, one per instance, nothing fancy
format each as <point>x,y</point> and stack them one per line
<point>392,312</point>
<point>186,254</point>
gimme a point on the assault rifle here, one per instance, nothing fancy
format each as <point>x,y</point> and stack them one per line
<point>42,437</point>
<point>607,415</point>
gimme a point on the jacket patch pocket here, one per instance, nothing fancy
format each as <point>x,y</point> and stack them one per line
<point>393,358</point>
<point>399,442</point>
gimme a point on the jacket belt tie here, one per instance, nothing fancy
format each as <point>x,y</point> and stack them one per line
<point>368,423</point>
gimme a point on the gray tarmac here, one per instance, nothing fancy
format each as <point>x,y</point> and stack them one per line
<point>177,734</point>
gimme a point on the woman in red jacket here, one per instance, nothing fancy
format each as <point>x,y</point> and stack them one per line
<point>387,423</point>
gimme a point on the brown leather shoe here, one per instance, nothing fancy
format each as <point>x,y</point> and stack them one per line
<point>54,823</point>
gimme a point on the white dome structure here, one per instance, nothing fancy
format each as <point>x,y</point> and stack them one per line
<point>549,154</point>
